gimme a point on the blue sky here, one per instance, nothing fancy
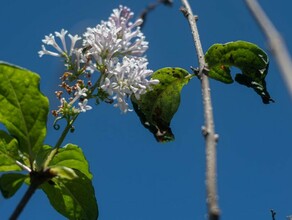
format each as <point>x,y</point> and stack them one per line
<point>136,178</point>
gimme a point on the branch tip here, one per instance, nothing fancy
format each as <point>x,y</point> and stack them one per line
<point>273,214</point>
<point>151,7</point>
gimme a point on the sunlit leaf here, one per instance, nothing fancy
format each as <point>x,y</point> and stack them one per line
<point>75,199</point>
<point>23,108</point>
<point>71,156</point>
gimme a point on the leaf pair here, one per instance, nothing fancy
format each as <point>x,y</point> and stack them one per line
<point>248,57</point>
<point>64,172</point>
<point>157,107</point>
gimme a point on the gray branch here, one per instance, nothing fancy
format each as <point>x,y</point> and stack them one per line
<point>208,129</point>
<point>275,42</point>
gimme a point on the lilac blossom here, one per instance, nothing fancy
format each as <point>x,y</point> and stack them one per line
<point>116,49</point>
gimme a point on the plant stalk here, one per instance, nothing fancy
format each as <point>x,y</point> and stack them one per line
<point>65,132</point>
<point>208,130</point>
<point>275,42</point>
<point>26,197</point>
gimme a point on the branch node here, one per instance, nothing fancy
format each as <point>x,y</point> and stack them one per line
<point>205,131</point>
<point>196,70</point>
<point>184,11</point>
<point>196,17</point>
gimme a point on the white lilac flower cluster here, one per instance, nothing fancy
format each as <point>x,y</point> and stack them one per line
<point>116,49</point>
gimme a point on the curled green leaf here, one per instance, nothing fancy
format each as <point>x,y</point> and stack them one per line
<point>248,57</point>
<point>157,107</point>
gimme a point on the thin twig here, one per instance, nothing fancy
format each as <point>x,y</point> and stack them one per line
<point>275,42</point>
<point>151,7</point>
<point>65,132</point>
<point>208,129</point>
<point>273,214</point>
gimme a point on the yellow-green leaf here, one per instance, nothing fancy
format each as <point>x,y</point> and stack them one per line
<point>157,107</point>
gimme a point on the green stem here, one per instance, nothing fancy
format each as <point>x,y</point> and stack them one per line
<point>60,141</point>
<point>65,132</point>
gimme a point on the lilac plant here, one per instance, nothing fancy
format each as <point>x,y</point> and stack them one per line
<point>114,51</point>
<point>107,63</point>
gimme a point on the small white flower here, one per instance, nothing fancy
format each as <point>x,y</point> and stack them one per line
<point>50,40</point>
<point>80,92</point>
<point>44,51</point>
<point>106,86</point>
<point>63,102</point>
<point>61,35</point>
<point>122,104</point>
<point>73,39</point>
<point>83,106</point>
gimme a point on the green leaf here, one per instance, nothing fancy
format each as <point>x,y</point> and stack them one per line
<point>8,153</point>
<point>248,57</point>
<point>71,156</point>
<point>23,108</point>
<point>222,73</point>
<point>75,199</point>
<point>157,107</point>
<point>10,183</point>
